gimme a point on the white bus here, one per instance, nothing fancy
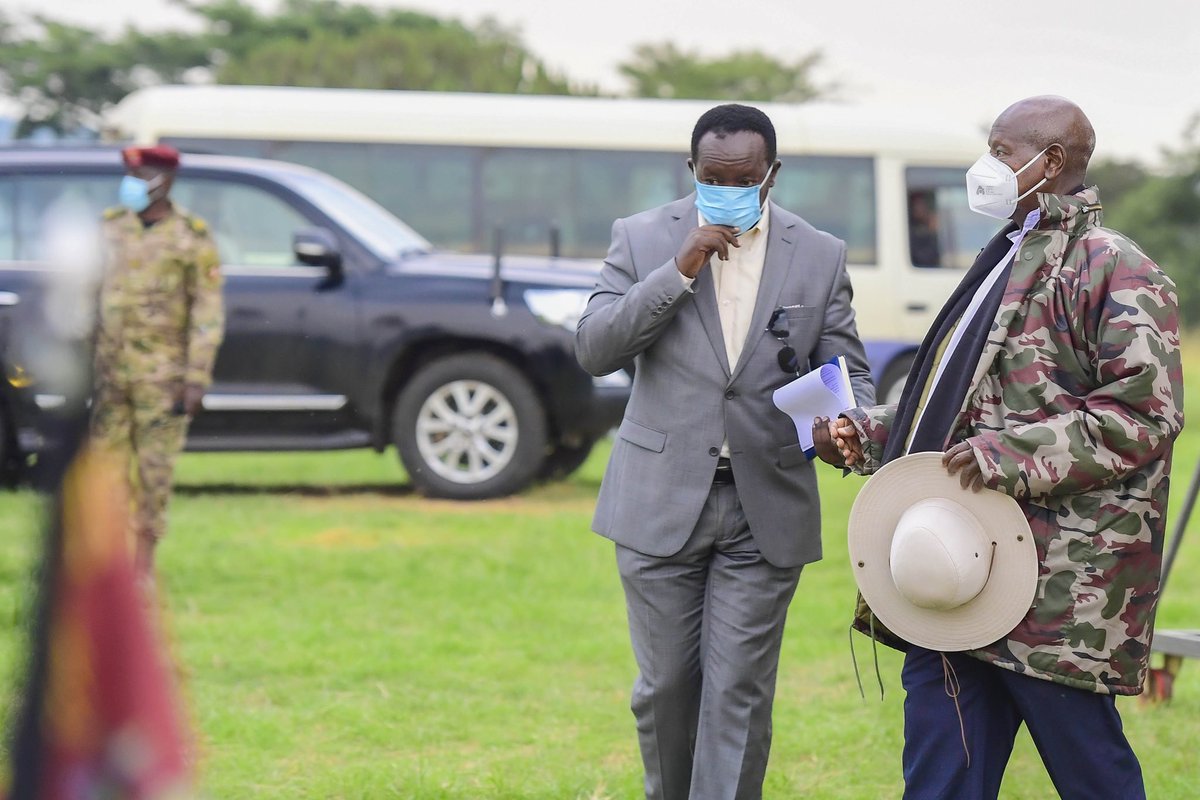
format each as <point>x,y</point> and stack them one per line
<point>553,173</point>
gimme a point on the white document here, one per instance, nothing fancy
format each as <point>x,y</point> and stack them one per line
<point>823,392</point>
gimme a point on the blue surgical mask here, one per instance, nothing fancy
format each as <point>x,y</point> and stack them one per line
<point>735,206</point>
<point>134,193</point>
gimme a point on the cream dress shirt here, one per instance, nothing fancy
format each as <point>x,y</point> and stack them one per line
<point>736,284</point>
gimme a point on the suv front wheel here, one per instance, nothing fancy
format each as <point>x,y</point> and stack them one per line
<point>470,427</point>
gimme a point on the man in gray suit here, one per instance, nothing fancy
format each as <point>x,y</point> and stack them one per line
<point>708,494</point>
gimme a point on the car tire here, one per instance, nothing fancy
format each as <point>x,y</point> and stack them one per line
<point>470,427</point>
<point>564,460</point>
<point>892,384</point>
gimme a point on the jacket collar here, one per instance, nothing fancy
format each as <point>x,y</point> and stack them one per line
<point>1073,213</point>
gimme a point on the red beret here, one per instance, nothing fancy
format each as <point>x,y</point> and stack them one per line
<point>161,155</point>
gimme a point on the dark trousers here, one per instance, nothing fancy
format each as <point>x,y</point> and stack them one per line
<point>1077,732</point>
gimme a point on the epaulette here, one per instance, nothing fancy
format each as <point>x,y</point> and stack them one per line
<point>197,225</point>
<point>115,212</point>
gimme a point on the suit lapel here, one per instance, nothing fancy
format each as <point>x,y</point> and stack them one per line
<point>684,219</point>
<point>781,252</point>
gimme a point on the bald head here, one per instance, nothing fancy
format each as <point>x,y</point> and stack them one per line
<point>1040,122</point>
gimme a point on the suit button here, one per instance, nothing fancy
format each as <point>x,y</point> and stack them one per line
<point>1029,256</point>
<point>730,394</point>
<point>654,313</point>
<point>669,298</point>
<point>714,451</point>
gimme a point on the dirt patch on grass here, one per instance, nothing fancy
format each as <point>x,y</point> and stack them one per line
<point>342,539</point>
<point>533,505</point>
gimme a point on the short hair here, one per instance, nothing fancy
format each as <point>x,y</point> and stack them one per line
<point>734,118</point>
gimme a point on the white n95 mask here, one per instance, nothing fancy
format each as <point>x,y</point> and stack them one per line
<point>992,186</point>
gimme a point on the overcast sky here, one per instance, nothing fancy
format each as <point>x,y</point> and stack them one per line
<point>1131,65</point>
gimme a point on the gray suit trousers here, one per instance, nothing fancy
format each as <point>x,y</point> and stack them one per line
<point>706,625</point>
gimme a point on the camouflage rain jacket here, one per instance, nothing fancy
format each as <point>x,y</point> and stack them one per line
<point>1074,406</point>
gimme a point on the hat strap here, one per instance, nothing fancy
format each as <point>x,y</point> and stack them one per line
<point>874,653</point>
<point>953,689</point>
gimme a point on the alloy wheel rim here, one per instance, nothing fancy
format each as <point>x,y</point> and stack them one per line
<point>467,431</point>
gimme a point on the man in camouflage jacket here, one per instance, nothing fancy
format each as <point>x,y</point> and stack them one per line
<point>159,324</point>
<point>1071,408</point>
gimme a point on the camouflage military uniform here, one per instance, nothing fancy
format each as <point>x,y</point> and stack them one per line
<point>160,321</point>
<point>1073,409</point>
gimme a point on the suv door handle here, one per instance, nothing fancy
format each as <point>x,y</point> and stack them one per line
<point>9,298</point>
<point>916,308</point>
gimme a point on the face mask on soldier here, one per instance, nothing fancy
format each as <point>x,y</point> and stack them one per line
<point>134,193</point>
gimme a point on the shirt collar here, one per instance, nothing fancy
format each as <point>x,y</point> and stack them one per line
<point>1031,220</point>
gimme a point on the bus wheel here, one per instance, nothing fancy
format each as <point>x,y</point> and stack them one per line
<point>469,427</point>
<point>892,384</point>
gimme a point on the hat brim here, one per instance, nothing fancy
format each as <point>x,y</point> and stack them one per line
<point>1012,582</point>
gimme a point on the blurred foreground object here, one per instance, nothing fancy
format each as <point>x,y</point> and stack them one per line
<point>99,718</point>
<point>1175,645</point>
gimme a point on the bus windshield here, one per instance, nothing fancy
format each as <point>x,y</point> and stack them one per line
<point>374,225</point>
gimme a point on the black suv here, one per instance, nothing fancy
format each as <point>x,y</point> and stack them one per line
<point>343,328</point>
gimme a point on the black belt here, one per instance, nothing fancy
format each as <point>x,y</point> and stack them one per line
<point>724,474</point>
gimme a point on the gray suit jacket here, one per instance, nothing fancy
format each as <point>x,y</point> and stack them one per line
<point>687,398</point>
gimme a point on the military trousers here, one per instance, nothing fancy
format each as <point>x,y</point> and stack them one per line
<point>1077,733</point>
<point>136,423</point>
<point>706,626</point>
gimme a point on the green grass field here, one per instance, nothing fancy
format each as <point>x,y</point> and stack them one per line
<point>342,638</point>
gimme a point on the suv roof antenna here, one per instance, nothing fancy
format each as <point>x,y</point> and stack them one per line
<point>499,307</point>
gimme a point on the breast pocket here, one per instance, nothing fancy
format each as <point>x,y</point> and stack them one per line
<point>642,436</point>
<point>799,314</point>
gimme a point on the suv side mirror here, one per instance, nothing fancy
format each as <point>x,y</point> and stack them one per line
<point>318,247</point>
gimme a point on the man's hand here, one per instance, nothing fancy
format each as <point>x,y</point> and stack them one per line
<point>189,399</point>
<point>836,441</point>
<point>822,435</point>
<point>700,245</point>
<point>961,459</point>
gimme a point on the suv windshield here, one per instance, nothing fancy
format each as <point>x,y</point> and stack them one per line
<point>374,225</point>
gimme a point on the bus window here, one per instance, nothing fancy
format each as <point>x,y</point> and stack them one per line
<point>430,188</point>
<point>943,232</point>
<point>524,192</point>
<point>8,236</point>
<point>616,184</point>
<point>458,195</point>
<point>835,194</point>
<point>246,148</point>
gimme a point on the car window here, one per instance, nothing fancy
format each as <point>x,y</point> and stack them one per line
<point>45,201</point>
<point>252,227</point>
<point>943,232</point>
<point>8,238</point>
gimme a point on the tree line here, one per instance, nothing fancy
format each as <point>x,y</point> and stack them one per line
<point>65,76</point>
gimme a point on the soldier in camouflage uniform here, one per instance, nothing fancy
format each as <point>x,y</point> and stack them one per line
<point>1069,402</point>
<point>159,323</point>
